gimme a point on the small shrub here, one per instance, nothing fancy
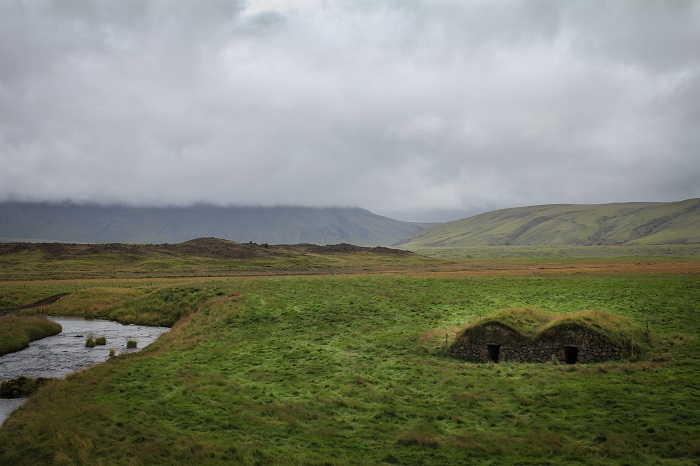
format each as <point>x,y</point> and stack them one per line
<point>20,387</point>
<point>131,343</point>
<point>101,340</point>
<point>90,341</point>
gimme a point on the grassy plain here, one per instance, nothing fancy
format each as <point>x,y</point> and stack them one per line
<point>349,368</point>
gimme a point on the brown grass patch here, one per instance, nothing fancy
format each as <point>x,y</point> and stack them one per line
<point>420,439</point>
<point>607,267</point>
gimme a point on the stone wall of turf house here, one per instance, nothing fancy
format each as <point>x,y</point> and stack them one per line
<point>565,343</point>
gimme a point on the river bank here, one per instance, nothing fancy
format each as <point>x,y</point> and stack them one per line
<point>59,355</point>
<point>17,332</point>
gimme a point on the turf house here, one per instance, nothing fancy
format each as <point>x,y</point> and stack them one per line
<point>527,335</point>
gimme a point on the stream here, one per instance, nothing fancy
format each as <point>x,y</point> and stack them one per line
<point>65,353</point>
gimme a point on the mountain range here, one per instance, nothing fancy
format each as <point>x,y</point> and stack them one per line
<point>632,223</point>
<point>91,223</point>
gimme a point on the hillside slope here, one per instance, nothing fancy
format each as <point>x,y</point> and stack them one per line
<point>582,225</point>
<point>274,225</point>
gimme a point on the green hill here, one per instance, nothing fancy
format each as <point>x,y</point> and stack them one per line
<point>639,223</point>
<point>90,223</point>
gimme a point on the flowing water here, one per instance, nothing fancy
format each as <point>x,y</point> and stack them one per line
<point>62,354</point>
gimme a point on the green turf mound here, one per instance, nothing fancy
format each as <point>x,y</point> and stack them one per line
<point>530,335</point>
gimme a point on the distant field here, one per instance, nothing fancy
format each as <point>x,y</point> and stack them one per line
<point>565,253</point>
<point>202,257</point>
<point>349,367</point>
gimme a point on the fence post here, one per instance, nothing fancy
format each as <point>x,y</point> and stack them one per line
<point>631,346</point>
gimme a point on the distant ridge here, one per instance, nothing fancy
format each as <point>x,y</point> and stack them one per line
<point>214,248</point>
<point>91,223</point>
<point>637,223</point>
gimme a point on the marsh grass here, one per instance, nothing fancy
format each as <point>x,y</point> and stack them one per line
<point>351,370</point>
<point>163,306</point>
<point>17,332</point>
<point>131,343</point>
<point>137,302</point>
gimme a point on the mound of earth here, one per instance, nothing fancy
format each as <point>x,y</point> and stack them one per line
<point>202,247</point>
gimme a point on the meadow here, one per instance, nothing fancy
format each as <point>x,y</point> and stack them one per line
<point>350,368</point>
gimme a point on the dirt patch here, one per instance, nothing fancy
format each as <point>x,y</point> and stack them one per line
<point>41,302</point>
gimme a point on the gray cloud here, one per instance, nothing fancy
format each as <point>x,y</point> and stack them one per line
<point>422,110</point>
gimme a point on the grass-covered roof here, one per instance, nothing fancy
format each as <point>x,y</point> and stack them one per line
<point>532,324</point>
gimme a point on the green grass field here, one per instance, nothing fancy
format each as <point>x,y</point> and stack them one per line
<point>351,369</point>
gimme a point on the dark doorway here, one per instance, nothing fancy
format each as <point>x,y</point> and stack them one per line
<point>571,354</point>
<point>494,352</point>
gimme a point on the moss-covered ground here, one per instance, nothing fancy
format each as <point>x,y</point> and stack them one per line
<point>350,369</point>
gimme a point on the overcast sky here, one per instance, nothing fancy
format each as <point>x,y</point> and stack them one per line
<point>424,110</point>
